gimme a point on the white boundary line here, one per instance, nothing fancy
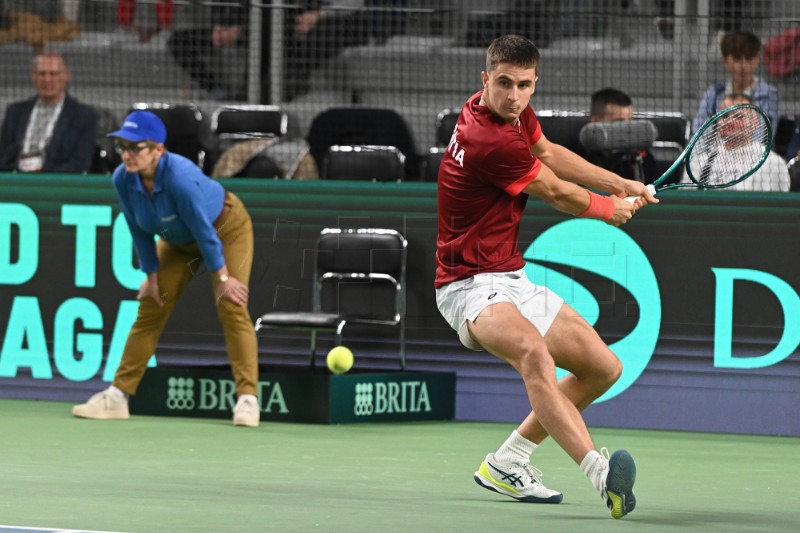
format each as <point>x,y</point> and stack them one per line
<point>14,529</point>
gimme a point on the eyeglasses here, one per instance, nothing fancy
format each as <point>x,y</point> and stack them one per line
<point>120,147</point>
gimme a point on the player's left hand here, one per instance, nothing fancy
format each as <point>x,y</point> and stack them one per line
<point>640,190</point>
<point>232,290</point>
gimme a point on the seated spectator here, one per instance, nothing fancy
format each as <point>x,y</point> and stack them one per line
<point>740,56</point>
<point>613,105</point>
<point>773,175</point>
<point>36,23</point>
<point>322,29</point>
<point>51,132</point>
<point>193,49</point>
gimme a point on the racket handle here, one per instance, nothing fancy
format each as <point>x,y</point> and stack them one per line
<point>632,199</point>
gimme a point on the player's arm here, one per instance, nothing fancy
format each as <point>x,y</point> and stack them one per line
<point>571,167</point>
<point>575,200</point>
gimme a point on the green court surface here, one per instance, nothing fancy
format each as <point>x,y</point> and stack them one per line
<point>152,474</point>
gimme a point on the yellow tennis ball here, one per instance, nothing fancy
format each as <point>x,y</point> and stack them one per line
<point>340,360</point>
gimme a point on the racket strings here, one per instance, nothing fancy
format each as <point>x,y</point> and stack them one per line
<point>730,149</point>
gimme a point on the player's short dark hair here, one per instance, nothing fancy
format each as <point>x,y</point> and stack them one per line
<point>740,45</point>
<point>513,49</point>
<point>605,97</point>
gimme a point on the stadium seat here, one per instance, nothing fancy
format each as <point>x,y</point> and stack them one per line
<point>445,124</point>
<point>105,158</point>
<point>786,127</point>
<point>231,124</point>
<point>362,126</point>
<point>433,159</point>
<point>185,128</point>
<point>359,279</point>
<point>240,122</point>
<point>794,174</point>
<point>672,127</point>
<point>562,127</point>
<point>666,153</point>
<point>363,163</point>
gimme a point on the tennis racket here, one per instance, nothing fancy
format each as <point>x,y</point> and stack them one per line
<point>727,149</point>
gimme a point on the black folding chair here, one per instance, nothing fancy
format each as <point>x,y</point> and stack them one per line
<point>359,279</point>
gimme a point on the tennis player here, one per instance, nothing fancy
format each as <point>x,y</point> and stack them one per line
<point>498,157</point>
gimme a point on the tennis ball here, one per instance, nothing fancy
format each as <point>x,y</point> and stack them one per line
<point>340,360</point>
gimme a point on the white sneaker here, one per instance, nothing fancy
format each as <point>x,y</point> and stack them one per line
<point>246,412</point>
<point>520,481</point>
<point>105,405</point>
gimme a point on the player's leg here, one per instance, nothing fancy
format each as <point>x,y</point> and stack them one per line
<point>236,234</point>
<point>503,331</point>
<point>577,348</point>
<point>571,338</point>
<point>507,471</point>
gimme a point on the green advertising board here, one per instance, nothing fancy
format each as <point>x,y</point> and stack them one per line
<point>294,396</point>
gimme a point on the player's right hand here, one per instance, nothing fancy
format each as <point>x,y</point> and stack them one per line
<point>623,211</point>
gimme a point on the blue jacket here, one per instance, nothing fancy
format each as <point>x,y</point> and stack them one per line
<point>72,146</point>
<point>763,94</point>
<point>182,210</point>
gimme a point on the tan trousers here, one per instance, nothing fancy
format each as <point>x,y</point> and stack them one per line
<point>178,264</point>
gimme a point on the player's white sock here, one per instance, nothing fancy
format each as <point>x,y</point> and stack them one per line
<point>516,449</point>
<point>595,467</point>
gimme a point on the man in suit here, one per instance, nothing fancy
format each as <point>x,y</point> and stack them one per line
<point>51,132</point>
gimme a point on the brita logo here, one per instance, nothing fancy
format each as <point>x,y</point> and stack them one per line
<point>180,394</point>
<point>610,253</point>
<point>391,397</point>
<point>204,394</point>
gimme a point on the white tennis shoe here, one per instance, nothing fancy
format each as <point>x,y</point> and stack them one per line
<point>520,481</point>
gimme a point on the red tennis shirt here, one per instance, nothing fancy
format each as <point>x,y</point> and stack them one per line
<point>487,165</point>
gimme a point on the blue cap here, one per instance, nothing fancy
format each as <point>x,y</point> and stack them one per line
<point>141,126</point>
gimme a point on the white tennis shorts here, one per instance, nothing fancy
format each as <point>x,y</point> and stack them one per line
<point>465,299</point>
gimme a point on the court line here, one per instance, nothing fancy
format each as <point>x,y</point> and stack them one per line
<point>18,529</point>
